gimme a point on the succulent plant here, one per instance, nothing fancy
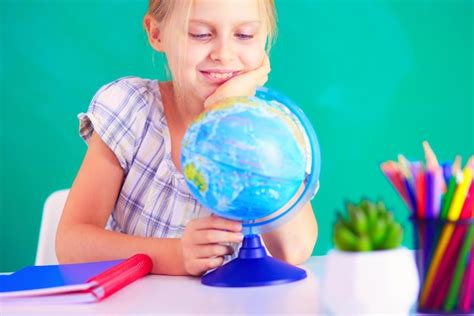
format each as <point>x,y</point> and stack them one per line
<point>368,226</point>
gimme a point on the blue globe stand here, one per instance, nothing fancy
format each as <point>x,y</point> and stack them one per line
<point>253,267</point>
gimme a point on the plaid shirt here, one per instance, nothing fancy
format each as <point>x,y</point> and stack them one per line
<point>154,200</point>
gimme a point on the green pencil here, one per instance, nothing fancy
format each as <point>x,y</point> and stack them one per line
<point>451,301</point>
<point>448,197</point>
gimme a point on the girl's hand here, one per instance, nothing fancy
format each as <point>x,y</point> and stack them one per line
<point>203,243</point>
<point>244,84</point>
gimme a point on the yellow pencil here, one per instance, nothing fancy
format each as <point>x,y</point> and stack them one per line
<point>460,194</point>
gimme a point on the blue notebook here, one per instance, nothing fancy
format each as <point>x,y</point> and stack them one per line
<point>68,283</point>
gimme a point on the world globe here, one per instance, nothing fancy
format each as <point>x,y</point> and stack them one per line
<point>244,158</point>
<point>255,160</point>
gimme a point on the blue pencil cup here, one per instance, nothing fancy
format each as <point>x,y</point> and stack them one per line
<point>444,255</point>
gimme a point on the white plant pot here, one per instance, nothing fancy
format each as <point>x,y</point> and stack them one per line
<point>376,282</point>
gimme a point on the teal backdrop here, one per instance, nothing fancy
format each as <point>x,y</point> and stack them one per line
<point>376,78</point>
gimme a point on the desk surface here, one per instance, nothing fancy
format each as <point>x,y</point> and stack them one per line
<point>157,294</point>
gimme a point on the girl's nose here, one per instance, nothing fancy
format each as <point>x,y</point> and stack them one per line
<point>222,51</point>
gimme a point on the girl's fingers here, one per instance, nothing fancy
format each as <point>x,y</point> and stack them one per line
<point>205,237</point>
<point>263,80</point>
<point>216,222</point>
<point>265,68</point>
<point>217,250</point>
<point>262,71</point>
<point>200,266</point>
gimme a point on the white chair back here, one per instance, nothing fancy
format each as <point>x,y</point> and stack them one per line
<point>53,208</point>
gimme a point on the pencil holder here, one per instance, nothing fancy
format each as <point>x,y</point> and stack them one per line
<point>444,255</point>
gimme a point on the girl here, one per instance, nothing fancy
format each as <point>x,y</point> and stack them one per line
<point>130,180</point>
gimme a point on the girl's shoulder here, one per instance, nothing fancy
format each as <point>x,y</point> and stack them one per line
<point>123,113</point>
<point>125,92</point>
<point>130,100</point>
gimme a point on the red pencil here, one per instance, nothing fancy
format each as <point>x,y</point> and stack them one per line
<point>420,194</point>
<point>468,285</point>
<point>467,211</point>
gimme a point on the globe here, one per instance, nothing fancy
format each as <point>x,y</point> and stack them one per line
<point>244,158</point>
<point>256,160</point>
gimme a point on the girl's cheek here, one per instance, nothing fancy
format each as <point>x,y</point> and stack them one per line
<point>197,54</point>
<point>253,58</point>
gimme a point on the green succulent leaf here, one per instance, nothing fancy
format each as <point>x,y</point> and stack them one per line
<point>378,233</point>
<point>394,236</point>
<point>344,238</point>
<point>358,220</point>
<point>363,243</point>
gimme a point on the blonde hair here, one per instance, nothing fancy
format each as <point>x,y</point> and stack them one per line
<point>162,10</point>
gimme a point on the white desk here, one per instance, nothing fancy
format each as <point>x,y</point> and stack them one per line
<point>155,294</point>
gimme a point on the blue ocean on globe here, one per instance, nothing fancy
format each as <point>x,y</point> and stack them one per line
<point>245,158</point>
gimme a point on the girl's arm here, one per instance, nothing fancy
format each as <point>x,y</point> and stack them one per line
<point>81,235</point>
<point>294,241</point>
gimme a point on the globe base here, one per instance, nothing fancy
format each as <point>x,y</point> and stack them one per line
<point>253,267</point>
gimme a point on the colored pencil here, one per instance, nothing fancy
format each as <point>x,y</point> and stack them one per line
<point>420,195</point>
<point>432,161</point>
<point>460,194</point>
<point>407,179</point>
<point>468,284</point>
<point>395,178</point>
<point>468,207</point>
<point>448,197</point>
<point>429,193</point>
<point>447,171</point>
<point>439,189</point>
<point>433,181</point>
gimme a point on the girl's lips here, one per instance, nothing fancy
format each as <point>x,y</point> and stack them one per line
<point>218,77</point>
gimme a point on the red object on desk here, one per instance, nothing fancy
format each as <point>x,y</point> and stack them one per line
<point>112,280</point>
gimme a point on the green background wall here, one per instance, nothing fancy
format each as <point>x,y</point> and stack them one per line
<point>376,78</point>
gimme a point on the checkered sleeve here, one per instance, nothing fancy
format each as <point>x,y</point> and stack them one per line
<point>117,114</point>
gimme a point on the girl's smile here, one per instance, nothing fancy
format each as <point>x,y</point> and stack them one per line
<point>216,76</point>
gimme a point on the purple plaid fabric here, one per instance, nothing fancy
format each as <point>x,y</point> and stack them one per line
<point>154,200</point>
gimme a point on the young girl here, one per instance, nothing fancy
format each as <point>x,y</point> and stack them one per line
<point>129,195</point>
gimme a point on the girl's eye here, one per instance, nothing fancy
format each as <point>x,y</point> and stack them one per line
<point>244,36</point>
<point>200,35</point>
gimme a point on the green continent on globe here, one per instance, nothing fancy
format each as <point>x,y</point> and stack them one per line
<point>195,176</point>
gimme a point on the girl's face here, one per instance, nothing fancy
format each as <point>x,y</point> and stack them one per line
<point>223,39</point>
